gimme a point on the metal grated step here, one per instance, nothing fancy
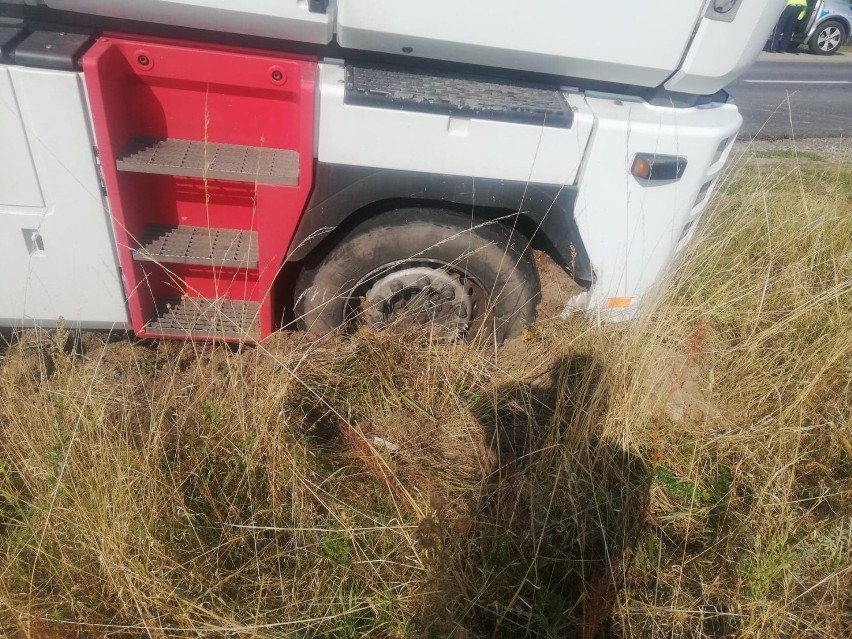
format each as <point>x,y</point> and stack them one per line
<point>211,160</point>
<point>198,245</point>
<point>199,317</point>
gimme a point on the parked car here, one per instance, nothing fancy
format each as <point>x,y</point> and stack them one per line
<point>826,27</point>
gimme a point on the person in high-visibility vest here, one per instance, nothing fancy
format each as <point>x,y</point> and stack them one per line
<point>795,11</point>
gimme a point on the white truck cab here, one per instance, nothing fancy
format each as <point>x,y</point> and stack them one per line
<point>212,170</point>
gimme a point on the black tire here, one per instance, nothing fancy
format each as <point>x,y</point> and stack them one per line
<point>483,269</point>
<point>828,38</point>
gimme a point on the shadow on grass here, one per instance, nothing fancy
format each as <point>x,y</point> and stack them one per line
<point>549,537</point>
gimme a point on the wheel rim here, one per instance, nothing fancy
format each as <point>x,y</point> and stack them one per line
<point>829,39</point>
<point>418,294</point>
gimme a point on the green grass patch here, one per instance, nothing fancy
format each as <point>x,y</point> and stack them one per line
<point>790,154</point>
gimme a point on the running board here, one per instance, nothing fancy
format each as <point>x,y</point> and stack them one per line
<point>199,246</point>
<point>211,160</point>
<point>197,317</point>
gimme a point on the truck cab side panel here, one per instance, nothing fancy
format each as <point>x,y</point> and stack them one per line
<point>57,252</point>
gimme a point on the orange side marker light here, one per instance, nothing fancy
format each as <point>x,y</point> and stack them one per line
<point>618,302</point>
<point>641,168</point>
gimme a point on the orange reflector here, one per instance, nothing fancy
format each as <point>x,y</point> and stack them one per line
<point>618,302</point>
<point>641,168</point>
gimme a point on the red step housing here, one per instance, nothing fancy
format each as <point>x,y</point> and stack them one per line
<point>174,92</point>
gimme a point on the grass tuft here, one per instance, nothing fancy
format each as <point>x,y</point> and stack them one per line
<point>686,475</point>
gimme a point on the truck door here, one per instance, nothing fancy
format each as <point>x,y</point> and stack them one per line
<point>57,255</point>
<point>805,25</point>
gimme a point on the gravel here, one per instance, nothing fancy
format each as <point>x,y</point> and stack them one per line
<point>832,149</point>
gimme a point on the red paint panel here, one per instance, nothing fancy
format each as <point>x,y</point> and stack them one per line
<point>173,89</point>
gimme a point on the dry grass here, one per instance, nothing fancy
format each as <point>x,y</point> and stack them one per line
<point>688,475</point>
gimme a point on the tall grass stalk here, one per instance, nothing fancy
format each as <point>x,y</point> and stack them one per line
<point>686,475</point>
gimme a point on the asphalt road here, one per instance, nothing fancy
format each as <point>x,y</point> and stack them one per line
<point>814,92</point>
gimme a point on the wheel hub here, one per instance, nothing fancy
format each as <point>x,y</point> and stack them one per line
<point>829,38</point>
<point>418,296</point>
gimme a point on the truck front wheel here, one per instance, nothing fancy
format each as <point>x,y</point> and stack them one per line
<point>455,275</point>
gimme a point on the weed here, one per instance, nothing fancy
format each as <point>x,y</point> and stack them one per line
<point>680,490</point>
<point>212,410</point>
<point>150,364</point>
<point>336,546</point>
<point>771,561</point>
